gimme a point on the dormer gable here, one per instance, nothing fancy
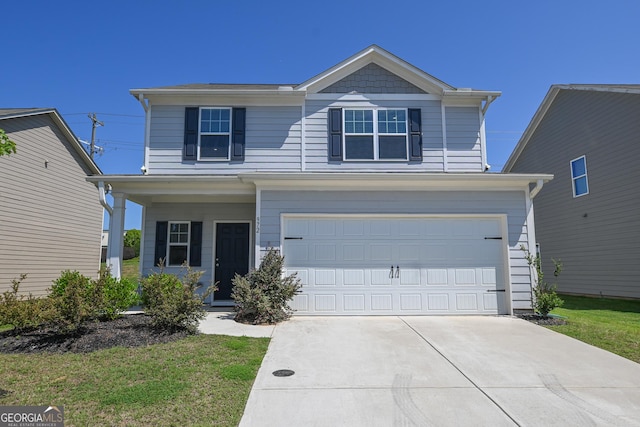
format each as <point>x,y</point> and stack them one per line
<point>360,70</point>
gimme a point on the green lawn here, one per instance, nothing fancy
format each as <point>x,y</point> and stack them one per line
<point>130,268</point>
<point>610,324</point>
<point>202,380</point>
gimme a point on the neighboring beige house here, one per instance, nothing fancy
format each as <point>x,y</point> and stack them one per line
<point>50,216</point>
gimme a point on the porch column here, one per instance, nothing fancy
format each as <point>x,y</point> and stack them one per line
<point>116,235</point>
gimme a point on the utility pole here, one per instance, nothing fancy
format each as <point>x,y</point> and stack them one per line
<point>94,123</point>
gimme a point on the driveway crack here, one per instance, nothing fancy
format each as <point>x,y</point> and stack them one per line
<point>477,387</point>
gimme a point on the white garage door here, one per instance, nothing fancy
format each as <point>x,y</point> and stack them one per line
<point>396,265</point>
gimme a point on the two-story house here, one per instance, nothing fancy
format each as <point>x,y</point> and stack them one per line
<point>369,178</point>
<point>587,136</point>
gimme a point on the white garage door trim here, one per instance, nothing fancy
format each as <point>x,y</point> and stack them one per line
<point>501,220</point>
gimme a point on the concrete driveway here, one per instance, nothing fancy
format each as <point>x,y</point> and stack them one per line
<point>438,371</point>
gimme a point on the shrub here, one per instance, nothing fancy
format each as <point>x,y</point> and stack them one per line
<point>113,296</point>
<point>545,297</point>
<point>23,312</point>
<point>74,300</point>
<point>172,302</point>
<point>263,295</point>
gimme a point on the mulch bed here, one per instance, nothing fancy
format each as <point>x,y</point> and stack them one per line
<point>131,330</point>
<point>543,320</point>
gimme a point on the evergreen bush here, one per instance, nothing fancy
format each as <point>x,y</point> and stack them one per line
<point>263,295</point>
<point>172,302</point>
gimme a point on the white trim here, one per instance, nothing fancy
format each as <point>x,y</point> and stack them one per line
<point>169,244</point>
<point>215,245</point>
<point>483,141</point>
<point>303,136</point>
<point>506,251</point>
<point>574,178</point>
<point>143,227</point>
<point>445,154</point>
<point>258,240</point>
<point>147,137</point>
<point>375,135</point>
<point>531,239</point>
<point>229,134</point>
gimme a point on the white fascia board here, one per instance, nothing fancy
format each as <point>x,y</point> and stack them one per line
<point>224,98</point>
<point>397,181</point>
<point>531,128</point>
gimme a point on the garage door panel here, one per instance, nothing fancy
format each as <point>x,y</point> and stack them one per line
<point>354,277</point>
<point>350,266</point>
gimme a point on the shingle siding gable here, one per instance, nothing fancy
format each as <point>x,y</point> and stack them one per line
<point>372,78</point>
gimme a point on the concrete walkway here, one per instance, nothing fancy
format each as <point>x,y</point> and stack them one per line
<point>219,321</point>
<point>438,371</point>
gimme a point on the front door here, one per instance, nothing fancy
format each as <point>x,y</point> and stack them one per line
<point>232,256</point>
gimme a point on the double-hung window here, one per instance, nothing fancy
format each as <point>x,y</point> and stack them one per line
<point>579,176</point>
<point>178,247</point>
<point>375,134</point>
<point>215,133</point>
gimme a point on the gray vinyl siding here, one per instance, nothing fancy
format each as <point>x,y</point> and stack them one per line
<point>50,216</point>
<point>272,142</point>
<point>316,137</point>
<point>511,203</point>
<point>464,152</point>
<point>596,235</point>
<point>208,213</point>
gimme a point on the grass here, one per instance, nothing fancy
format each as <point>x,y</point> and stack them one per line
<point>611,324</point>
<point>201,380</point>
<point>130,268</point>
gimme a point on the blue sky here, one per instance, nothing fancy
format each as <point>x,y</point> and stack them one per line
<point>82,57</point>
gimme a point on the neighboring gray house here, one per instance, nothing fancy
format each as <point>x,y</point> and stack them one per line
<point>369,177</point>
<point>50,216</point>
<point>588,137</point>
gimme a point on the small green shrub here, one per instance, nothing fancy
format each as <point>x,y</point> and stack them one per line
<point>23,312</point>
<point>263,295</point>
<point>545,297</point>
<point>172,302</point>
<point>74,300</point>
<point>113,296</point>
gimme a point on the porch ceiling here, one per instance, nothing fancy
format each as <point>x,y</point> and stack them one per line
<point>149,189</point>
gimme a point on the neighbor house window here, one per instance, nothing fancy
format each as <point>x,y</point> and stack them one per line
<point>379,134</point>
<point>215,133</point>
<point>579,176</point>
<point>178,247</point>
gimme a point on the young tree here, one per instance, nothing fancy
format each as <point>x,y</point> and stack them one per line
<point>7,146</point>
<point>132,240</point>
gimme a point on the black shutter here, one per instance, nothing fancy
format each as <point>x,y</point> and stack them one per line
<point>335,134</point>
<point>190,149</point>
<point>238,134</point>
<point>415,134</point>
<point>161,242</point>
<point>195,247</point>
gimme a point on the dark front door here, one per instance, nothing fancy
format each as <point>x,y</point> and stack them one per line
<point>232,256</point>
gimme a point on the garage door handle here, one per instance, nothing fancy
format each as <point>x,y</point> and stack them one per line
<point>391,273</point>
<point>496,290</point>
<point>397,271</point>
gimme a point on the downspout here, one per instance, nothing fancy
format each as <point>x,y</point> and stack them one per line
<point>488,102</point>
<point>103,200</point>
<point>535,190</point>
